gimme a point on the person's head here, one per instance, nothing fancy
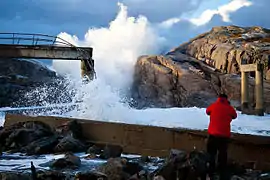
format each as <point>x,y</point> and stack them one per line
<point>223,96</point>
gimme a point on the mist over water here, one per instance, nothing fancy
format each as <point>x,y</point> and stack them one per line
<point>116,49</point>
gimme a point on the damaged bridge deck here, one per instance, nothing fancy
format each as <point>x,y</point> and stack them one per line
<point>157,141</point>
<point>45,52</point>
<point>39,46</point>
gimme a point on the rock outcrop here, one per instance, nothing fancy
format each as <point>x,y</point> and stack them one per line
<point>18,77</point>
<point>194,74</point>
<point>39,138</point>
<point>225,47</point>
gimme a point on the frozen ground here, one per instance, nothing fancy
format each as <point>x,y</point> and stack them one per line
<point>192,118</point>
<point>20,163</point>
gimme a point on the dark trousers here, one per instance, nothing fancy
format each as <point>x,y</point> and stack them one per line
<point>217,147</point>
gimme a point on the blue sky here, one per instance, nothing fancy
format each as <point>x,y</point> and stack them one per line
<point>76,16</point>
<point>183,19</point>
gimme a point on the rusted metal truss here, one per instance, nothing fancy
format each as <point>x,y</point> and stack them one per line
<point>157,141</point>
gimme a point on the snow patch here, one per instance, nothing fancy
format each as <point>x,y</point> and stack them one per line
<point>2,118</point>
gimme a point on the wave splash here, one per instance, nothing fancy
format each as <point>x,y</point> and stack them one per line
<point>116,49</point>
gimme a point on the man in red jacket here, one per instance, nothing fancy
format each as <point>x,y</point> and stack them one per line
<point>221,114</point>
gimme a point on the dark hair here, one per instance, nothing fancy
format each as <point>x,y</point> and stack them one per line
<point>223,96</point>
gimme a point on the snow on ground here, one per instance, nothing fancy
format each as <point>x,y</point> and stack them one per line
<point>2,118</point>
<point>191,118</point>
<point>18,162</point>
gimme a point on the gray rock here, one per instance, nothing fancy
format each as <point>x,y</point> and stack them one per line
<point>53,175</point>
<point>70,161</point>
<point>19,135</point>
<point>111,151</point>
<point>94,150</point>
<point>44,145</point>
<point>180,165</point>
<point>70,144</point>
<point>71,128</point>
<point>19,76</point>
<point>114,169</point>
<point>162,82</point>
<point>93,175</point>
<point>14,176</point>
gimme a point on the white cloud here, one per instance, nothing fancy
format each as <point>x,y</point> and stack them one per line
<point>169,23</point>
<point>224,11</point>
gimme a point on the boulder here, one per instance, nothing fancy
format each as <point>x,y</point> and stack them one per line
<point>71,128</point>
<point>43,145</point>
<point>225,47</point>
<point>94,150</point>
<point>170,169</point>
<point>18,76</point>
<point>93,175</point>
<point>178,80</point>
<point>180,165</point>
<point>69,144</point>
<point>117,168</point>
<point>111,151</point>
<point>26,82</point>
<point>34,137</point>
<point>14,176</point>
<point>53,175</point>
<point>196,71</point>
<point>114,169</point>
<point>19,135</point>
<point>70,161</point>
<point>160,81</point>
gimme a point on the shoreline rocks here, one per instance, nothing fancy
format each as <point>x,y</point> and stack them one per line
<point>185,77</point>
<point>38,138</point>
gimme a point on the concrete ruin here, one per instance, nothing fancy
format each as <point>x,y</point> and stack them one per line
<point>142,140</point>
<point>39,46</point>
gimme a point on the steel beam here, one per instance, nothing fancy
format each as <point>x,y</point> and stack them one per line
<point>45,52</point>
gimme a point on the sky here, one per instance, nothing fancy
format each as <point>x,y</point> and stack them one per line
<point>77,16</point>
<point>174,20</point>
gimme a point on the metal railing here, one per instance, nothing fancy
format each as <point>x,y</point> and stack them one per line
<point>11,38</point>
<point>32,39</point>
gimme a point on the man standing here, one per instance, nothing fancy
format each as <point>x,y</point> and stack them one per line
<point>221,114</point>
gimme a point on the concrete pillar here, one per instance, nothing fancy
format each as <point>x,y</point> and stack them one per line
<point>87,70</point>
<point>244,92</point>
<point>259,91</point>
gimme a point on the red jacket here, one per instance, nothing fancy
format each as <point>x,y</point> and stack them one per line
<point>221,115</point>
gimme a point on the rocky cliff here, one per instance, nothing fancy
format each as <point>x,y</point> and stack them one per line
<point>195,72</point>
<point>225,47</point>
<point>17,77</point>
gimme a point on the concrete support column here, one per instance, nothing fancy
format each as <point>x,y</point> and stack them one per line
<point>259,91</point>
<point>87,69</point>
<point>244,92</point>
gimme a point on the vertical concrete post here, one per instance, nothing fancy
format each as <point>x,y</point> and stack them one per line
<point>244,89</point>
<point>244,92</point>
<point>87,70</point>
<point>259,90</point>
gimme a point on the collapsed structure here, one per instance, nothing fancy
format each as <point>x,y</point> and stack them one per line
<point>39,46</point>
